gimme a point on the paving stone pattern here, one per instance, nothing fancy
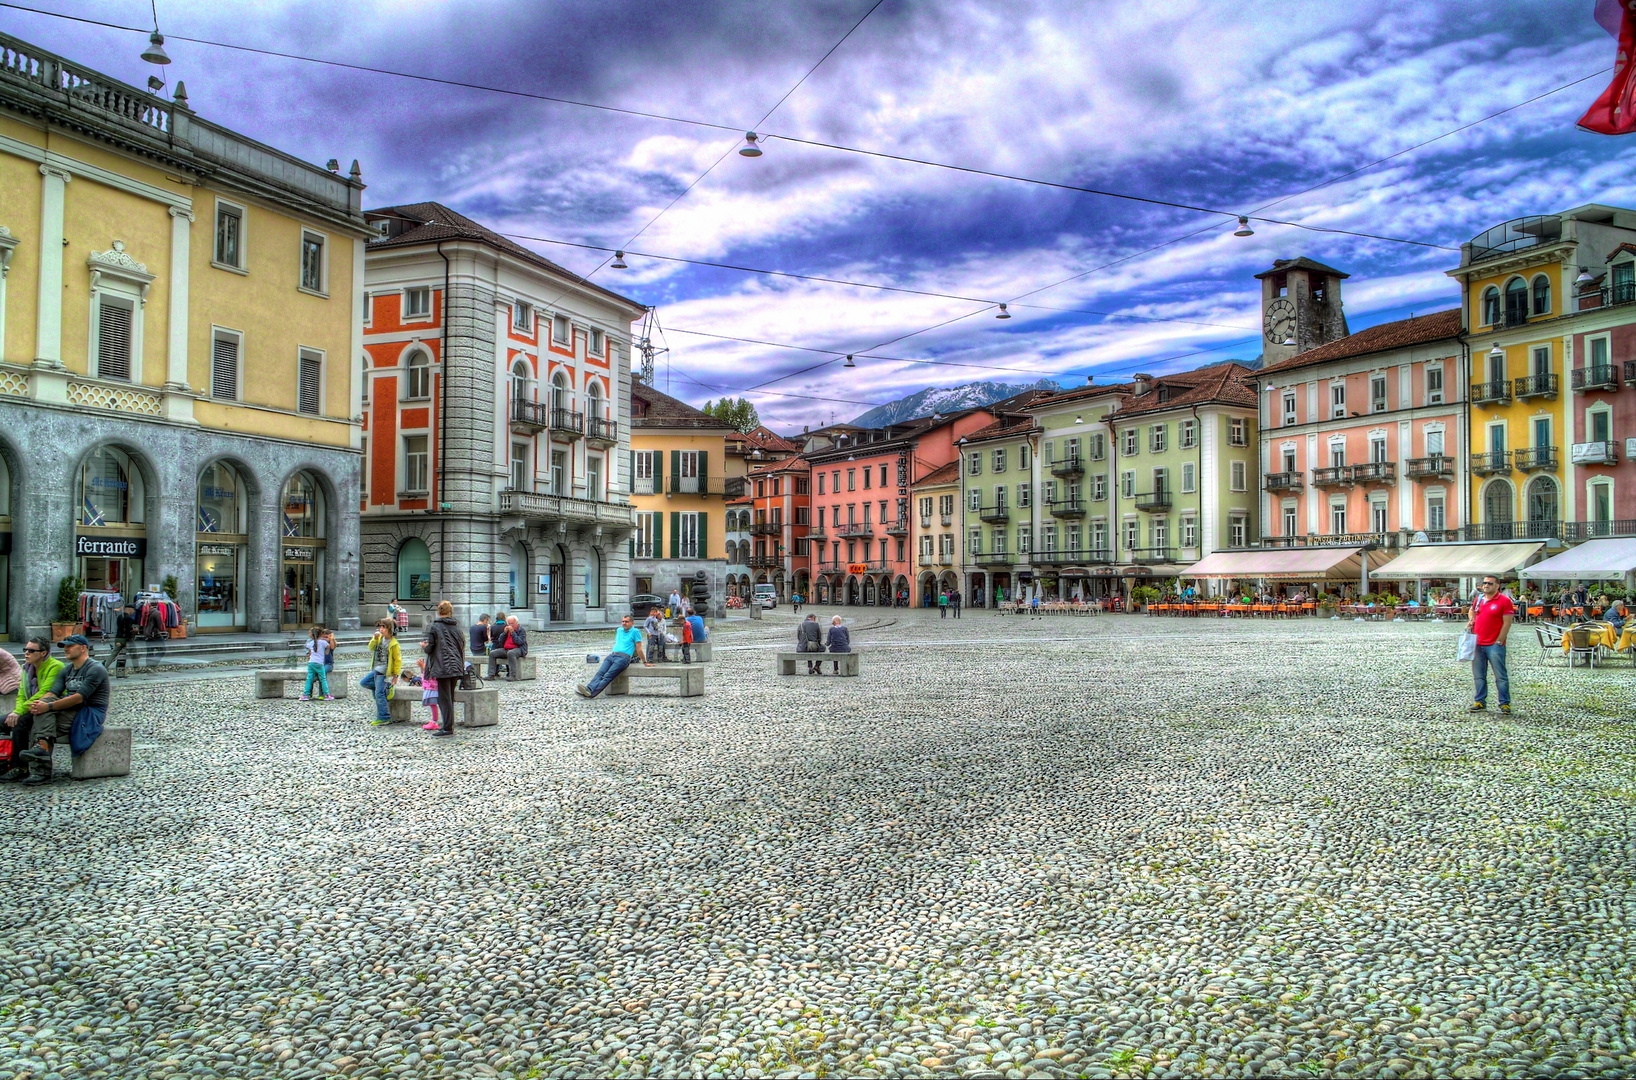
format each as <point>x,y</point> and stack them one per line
<point>1119,846</point>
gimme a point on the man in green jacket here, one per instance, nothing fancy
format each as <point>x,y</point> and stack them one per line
<point>40,670</point>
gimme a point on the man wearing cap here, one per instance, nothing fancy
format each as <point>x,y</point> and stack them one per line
<point>77,709</point>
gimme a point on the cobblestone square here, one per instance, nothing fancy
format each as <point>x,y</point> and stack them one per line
<point>1060,847</point>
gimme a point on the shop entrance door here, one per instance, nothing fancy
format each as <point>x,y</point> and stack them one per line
<point>300,594</point>
<point>559,592</point>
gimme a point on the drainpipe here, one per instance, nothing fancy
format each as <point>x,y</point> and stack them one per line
<point>443,428</point>
<point>1115,523</point>
<point>1198,470</point>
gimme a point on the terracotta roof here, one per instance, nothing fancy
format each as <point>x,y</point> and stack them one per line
<point>1006,426</point>
<point>1280,266</point>
<point>1419,330</point>
<point>765,439</point>
<point>663,411</point>
<point>1620,250</point>
<point>438,222</point>
<point>1079,394</point>
<point>1018,401</point>
<point>1218,384</point>
<point>793,464</point>
<point>943,474</point>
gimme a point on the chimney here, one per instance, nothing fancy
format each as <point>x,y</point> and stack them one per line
<point>1143,383</point>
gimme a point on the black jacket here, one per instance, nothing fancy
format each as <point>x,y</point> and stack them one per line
<point>125,627</point>
<point>445,646</point>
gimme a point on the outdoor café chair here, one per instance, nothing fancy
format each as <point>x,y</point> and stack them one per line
<point>1580,643</point>
<point>1550,641</point>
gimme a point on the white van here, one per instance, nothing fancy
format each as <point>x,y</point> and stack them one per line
<point>767,596</point>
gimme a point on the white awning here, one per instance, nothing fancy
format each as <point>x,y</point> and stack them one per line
<point>1594,560</point>
<point>1443,561</point>
<point>1286,564</point>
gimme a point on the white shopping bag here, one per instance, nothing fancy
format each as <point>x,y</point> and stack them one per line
<point>1468,646</point>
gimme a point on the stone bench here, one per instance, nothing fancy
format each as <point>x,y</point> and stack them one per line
<point>527,668</point>
<point>701,652</point>
<point>401,709</point>
<point>270,683</point>
<point>846,663</point>
<point>482,707</point>
<point>689,676</point>
<point>110,755</point>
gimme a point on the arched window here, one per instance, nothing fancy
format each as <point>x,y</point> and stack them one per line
<point>303,512</point>
<point>1542,295</point>
<point>363,378</point>
<point>110,489</point>
<point>519,380</point>
<point>593,579</point>
<point>414,570</point>
<point>1542,499</point>
<point>593,401</point>
<point>1497,503</point>
<point>417,383</point>
<point>1491,306</point>
<point>221,499</point>
<point>1516,301</point>
<point>560,398</point>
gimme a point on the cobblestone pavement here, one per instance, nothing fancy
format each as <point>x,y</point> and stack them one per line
<point>1061,846</point>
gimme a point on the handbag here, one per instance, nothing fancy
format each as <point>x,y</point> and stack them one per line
<point>6,751</point>
<point>470,680</point>
<point>1468,646</point>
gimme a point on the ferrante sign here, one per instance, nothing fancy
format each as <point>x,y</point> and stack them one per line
<point>124,547</point>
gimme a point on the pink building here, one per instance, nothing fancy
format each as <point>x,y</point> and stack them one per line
<point>1601,467</point>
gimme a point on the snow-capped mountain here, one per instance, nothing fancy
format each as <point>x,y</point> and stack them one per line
<point>946,399</point>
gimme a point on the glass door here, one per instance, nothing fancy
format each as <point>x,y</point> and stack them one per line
<point>300,594</point>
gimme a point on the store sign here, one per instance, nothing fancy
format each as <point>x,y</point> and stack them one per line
<point>120,548</point>
<point>857,568</point>
<point>298,554</point>
<point>217,549</point>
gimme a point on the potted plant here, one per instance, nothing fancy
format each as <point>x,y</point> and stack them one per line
<point>68,609</point>
<point>170,587</point>
<point>1326,606</point>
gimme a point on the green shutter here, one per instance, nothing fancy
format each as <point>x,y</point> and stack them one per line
<point>704,488</point>
<point>675,532</point>
<point>658,471</point>
<point>658,530</point>
<point>704,531</point>
<point>675,471</point>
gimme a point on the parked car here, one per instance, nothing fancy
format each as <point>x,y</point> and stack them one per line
<point>642,602</point>
<point>767,595</point>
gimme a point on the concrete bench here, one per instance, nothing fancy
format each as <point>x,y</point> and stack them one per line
<point>527,668</point>
<point>846,663</point>
<point>401,709</point>
<point>701,652</point>
<point>482,707</point>
<point>270,683</point>
<point>110,755</point>
<point>689,676</point>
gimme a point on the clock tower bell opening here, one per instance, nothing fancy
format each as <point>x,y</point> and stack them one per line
<point>1300,308</point>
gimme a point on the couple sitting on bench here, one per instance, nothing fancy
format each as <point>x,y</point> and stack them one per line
<point>809,638</point>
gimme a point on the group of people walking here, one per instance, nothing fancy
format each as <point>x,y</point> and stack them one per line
<point>948,603</point>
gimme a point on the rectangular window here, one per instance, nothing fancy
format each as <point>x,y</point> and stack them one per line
<point>974,499</point>
<point>224,366</point>
<point>1099,487</point>
<point>1048,538</point>
<point>1189,480</point>
<point>1190,532</point>
<point>1289,459</point>
<point>593,478</point>
<point>687,471</point>
<point>1023,459</point>
<point>835,481</point>
<point>1496,438</point>
<point>945,505</point>
<point>1377,393</point>
<point>1070,450</point>
<point>1337,400</point>
<point>599,343</point>
<point>1239,474</point>
<point>1238,532</point>
<point>868,475</point>
<point>559,472</point>
<point>642,482</point>
<point>310,391</point>
<point>644,535</point>
<point>1337,455</point>
<point>1542,431</point>
<point>1289,521</point>
<point>1157,438</point>
<point>522,317</point>
<point>1601,503</point>
<point>1542,360</point>
<point>417,303</point>
<point>1434,386</point>
<point>1127,484</point>
<point>883,476</point>
<point>1599,427</point>
<point>999,540</point>
<point>999,460</point>
<point>851,480</point>
<point>1130,534</point>
<point>1377,517</point>
<point>1131,442</point>
<point>561,331</point>
<point>230,236</point>
<point>1161,480</point>
<point>687,543</point>
<point>1025,493</point>
<point>369,309</point>
<point>519,466</point>
<point>1377,450</point>
<point>1099,536</point>
<point>1289,408</point>
<point>414,464</point>
<point>1599,352</point>
<point>1434,443</point>
<point>113,338</point>
<point>1098,449</point>
<point>1025,540</point>
<point>1238,432</point>
<point>1435,513</point>
<point>1159,533</point>
<point>1337,519</point>
<point>974,542</point>
<point>312,262</point>
<point>974,463</point>
<point>820,483</point>
<point>1187,435</point>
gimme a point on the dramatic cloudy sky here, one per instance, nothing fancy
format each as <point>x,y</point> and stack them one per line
<point>1230,106</point>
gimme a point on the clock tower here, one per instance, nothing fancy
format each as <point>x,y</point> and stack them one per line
<point>1300,308</point>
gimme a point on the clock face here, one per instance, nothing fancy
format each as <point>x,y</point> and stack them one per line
<point>1280,321</point>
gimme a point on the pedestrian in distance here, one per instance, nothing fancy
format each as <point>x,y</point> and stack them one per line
<point>627,646</point>
<point>124,634</point>
<point>795,603</point>
<point>480,638</point>
<point>445,648</point>
<point>37,677</point>
<point>839,640</point>
<point>674,604</point>
<point>654,627</point>
<point>318,646</point>
<point>385,665</point>
<point>809,638</point>
<point>1491,616</point>
<point>75,708</point>
<point>954,602</point>
<point>943,604</point>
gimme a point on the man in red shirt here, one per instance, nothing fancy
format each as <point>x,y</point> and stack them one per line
<point>1491,616</point>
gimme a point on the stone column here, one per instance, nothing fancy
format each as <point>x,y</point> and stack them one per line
<point>42,543</point>
<point>178,391</point>
<point>50,382</point>
<point>342,547</point>
<point>263,582</point>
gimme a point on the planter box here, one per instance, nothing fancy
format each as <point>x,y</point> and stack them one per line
<point>60,630</point>
<point>177,631</point>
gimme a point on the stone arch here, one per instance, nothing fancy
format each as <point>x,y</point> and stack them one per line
<point>1543,500</point>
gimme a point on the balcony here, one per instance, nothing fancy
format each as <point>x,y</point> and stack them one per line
<point>1596,377</point>
<point>1595,453</point>
<point>1334,476</point>
<point>1147,556</point>
<point>1385,541</point>
<point>605,432</point>
<point>991,558</point>
<point>1073,556</point>
<point>1492,463</point>
<point>528,417</point>
<point>948,519</point>
<point>1070,469</point>
<point>1536,386</point>
<point>734,487</point>
<point>765,562</point>
<point>997,515</point>
<point>767,528</point>
<point>1575,531</point>
<point>900,527</point>
<point>534,506</point>
<point>1425,468</point>
<point>1153,500</point>
<point>1491,393</point>
<point>1534,458</point>
<point>1513,530</point>
<point>925,524</point>
<point>1515,315</point>
<point>853,529</point>
<point>567,424</point>
<point>1067,508</point>
<point>1286,481</point>
<point>1630,372</point>
<point>1375,472</point>
<point>927,560</point>
<point>945,558</point>
<point>816,532</point>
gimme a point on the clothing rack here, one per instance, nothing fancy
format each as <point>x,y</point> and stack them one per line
<point>98,608</point>
<point>170,615</point>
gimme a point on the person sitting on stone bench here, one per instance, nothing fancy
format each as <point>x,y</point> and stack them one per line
<point>509,645</point>
<point>840,639</point>
<point>76,707</point>
<point>627,647</point>
<point>38,676</point>
<point>809,638</point>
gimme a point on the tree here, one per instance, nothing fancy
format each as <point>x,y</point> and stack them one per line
<point>737,413</point>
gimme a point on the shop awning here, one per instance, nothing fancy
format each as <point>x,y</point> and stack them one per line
<point>1441,561</point>
<point>1594,560</point>
<point>1287,564</point>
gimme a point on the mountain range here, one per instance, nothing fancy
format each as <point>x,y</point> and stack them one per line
<point>946,399</point>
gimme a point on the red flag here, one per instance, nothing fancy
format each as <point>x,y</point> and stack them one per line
<point>1614,113</point>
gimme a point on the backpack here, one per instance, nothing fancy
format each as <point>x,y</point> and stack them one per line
<point>470,680</point>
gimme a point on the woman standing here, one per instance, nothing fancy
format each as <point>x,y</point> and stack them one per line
<point>445,647</point>
<point>318,650</point>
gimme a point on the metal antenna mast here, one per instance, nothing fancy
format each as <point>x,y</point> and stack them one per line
<point>644,345</point>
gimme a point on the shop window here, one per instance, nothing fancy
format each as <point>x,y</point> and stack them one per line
<point>414,570</point>
<point>111,491</point>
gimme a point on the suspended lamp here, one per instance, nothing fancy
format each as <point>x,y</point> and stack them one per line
<point>849,362</point>
<point>1243,227</point>
<point>1004,314</point>
<point>619,261</point>
<point>749,149</point>
<point>155,52</point>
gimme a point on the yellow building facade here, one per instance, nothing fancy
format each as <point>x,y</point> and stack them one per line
<point>180,334</point>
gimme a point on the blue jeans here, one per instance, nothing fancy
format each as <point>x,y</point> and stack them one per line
<point>612,665</point>
<point>316,673</point>
<point>377,682</point>
<point>1491,656</point>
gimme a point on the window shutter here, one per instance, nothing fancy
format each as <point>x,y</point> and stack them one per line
<point>113,341</point>
<point>704,533</point>
<point>658,535</point>
<point>675,531</point>
<point>308,395</point>
<point>675,473</point>
<point>632,474</point>
<point>704,487</point>
<point>658,457</point>
<point>224,368</point>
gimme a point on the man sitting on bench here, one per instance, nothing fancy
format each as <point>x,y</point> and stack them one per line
<point>627,647</point>
<point>510,645</point>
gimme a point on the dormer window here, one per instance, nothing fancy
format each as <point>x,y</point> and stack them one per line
<point>1623,282</point>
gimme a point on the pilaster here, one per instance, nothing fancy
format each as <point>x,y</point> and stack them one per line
<point>48,319</point>
<point>177,400</point>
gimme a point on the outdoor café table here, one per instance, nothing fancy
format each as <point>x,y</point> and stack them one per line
<point>1603,634</point>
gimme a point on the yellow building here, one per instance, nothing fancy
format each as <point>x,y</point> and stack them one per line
<point>180,330</point>
<point>681,479</point>
<point>1531,399</point>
